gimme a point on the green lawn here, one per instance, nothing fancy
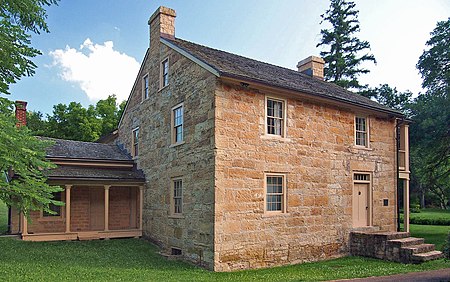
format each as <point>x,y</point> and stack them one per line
<point>137,260</point>
<point>3,218</point>
<point>433,234</point>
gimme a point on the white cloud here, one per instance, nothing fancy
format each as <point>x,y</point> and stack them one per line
<point>98,69</point>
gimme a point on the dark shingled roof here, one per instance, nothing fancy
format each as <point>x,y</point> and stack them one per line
<point>85,150</point>
<point>93,173</point>
<point>235,66</point>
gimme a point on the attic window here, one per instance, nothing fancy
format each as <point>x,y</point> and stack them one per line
<point>135,142</point>
<point>145,87</point>
<point>165,73</point>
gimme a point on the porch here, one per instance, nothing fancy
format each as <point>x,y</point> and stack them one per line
<point>91,211</point>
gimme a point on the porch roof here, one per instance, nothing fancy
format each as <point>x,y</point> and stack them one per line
<point>63,172</point>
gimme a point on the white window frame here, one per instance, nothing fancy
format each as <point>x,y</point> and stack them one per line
<point>283,194</point>
<point>145,87</point>
<point>164,76</point>
<point>366,132</point>
<point>134,144</point>
<point>173,127</point>
<point>266,116</point>
<point>173,197</point>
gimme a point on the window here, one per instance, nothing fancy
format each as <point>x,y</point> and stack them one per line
<point>177,196</point>
<point>275,116</point>
<point>164,73</point>
<point>56,209</point>
<point>145,87</point>
<point>177,124</point>
<point>361,177</point>
<point>275,193</point>
<point>135,149</point>
<point>361,132</point>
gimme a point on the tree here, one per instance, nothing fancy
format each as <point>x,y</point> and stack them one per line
<point>22,162</point>
<point>430,131</point>
<point>17,20</point>
<point>22,156</point>
<point>342,60</point>
<point>390,97</point>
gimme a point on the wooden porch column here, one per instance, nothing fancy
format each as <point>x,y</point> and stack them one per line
<point>406,205</point>
<point>24,224</point>
<point>107,207</point>
<point>141,205</point>
<point>68,188</point>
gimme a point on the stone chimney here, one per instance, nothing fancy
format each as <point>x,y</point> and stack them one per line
<point>312,66</point>
<point>162,23</point>
<point>21,113</point>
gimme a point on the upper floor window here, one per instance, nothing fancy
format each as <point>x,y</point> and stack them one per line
<point>361,132</point>
<point>177,124</point>
<point>54,208</point>
<point>145,93</point>
<point>165,73</point>
<point>275,193</point>
<point>275,116</point>
<point>135,142</point>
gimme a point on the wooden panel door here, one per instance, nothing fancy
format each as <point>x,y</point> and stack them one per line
<point>97,208</point>
<point>360,205</point>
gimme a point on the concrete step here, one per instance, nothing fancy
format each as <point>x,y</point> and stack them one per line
<point>392,235</point>
<point>405,242</point>
<point>418,258</point>
<point>418,249</point>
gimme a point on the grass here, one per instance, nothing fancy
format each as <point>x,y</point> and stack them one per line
<point>433,234</point>
<point>135,259</point>
<point>3,218</point>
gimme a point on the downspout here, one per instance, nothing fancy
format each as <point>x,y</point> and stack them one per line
<point>397,148</point>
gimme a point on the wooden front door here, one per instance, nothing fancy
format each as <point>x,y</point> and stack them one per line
<point>361,205</point>
<point>97,208</point>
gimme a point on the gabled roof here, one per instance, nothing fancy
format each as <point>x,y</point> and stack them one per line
<point>85,150</point>
<point>224,64</point>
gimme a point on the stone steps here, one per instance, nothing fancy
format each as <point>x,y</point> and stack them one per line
<point>419,249</point>
<point>423,257</point>
<point>408,241</point>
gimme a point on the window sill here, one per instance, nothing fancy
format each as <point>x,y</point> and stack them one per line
<point>177,144</point>
<point>174,216</point>
<point>275,214</point>
<point>275,138</point>
<point>162,88</point>
<point>356,147</point>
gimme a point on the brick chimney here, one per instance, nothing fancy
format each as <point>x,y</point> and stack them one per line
<point>162,23</point>
<point>312,66</point>
<point>21,113</point>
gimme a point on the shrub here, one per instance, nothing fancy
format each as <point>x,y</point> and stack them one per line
<point>446,249</point>
<point>415,208</point>
<point>429,221</point>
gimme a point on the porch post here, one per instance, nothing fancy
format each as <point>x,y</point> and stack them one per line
<point>24,224</point>
<point>68,188</point>
<point>406,205</point>
<point>141,205</point>
<point>107,207</point>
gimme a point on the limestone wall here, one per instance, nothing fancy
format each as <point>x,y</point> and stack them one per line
<point>317,156</point>
<point>193,161</point>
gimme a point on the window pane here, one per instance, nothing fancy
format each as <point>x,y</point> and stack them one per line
<point>275,117</point>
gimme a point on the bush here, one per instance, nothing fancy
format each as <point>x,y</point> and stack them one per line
<point>446,249</point>
<point>415,208</point>
<point>429,221</point>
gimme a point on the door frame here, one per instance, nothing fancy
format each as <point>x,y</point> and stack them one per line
<point>369,192</point>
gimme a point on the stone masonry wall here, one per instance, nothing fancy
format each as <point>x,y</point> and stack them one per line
<point>193,161</point>
<point>318,158</point>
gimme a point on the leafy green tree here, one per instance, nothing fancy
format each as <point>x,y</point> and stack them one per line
<point>343,59</point>
<point>22,156</point>
<point>388,96</point>
<point>36,123</point>
<point>17,20</point>
<point>22,162</point>
<point>430,131</point>
<point>109,114</point>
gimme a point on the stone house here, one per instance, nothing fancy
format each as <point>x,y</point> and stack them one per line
<point>252,165</point>
<point>246,164</point>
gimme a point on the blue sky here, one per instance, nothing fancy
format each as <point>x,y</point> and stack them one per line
<point>94,48</point>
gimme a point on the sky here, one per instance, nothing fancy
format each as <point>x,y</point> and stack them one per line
<point>94,48</point>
